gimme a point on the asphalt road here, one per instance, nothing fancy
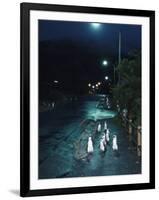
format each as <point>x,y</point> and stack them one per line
<point>60,130</point>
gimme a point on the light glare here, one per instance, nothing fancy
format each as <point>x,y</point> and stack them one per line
<point>105,62</point>
<point>95,25</point>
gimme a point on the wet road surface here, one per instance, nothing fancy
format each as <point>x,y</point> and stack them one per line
<point>59,133</point>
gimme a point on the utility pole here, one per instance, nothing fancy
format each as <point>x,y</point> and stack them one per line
<point>114,73</point>
<point>119,55</point>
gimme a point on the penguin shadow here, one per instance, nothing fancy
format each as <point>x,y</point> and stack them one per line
<point>89,157</point>
<point>108,143</point>
<point>103,153</point>
<point>116,153</point>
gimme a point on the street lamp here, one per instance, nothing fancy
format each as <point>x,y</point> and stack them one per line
<point>106,78</point>
<point>104,62</point>
<point>89,85</point>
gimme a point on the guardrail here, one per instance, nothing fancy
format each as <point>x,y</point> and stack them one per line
<point>134,133</point>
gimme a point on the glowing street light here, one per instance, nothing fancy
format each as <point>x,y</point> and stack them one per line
<point>105,63</point>
<point>93,86</point>
<point>106,78</point>
<point>95,25</point>
<point>55,81</point>
<point>99,83</point>
<point>89,85</point>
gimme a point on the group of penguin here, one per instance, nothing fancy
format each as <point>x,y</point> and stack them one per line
<point>104,141</point>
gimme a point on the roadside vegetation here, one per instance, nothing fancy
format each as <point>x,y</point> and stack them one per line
<point>127,93</point>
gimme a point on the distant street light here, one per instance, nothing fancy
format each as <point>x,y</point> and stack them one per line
<point>55,81</point>
<point>99,83</point>
<point>106,77</point>
<point>89,85</point>
<point>105,62</point>
<point>93,86</point>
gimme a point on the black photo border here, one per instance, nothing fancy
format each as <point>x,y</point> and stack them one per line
<point>25,9</point>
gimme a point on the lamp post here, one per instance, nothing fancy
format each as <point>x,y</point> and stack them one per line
<point>119,55</point>
<point>114,73</point>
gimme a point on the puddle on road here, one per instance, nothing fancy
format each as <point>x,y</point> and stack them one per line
<point>97,114</point>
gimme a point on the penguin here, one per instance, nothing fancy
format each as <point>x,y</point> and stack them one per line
<point>107,135</point>
<point>90,145</point>
<point>105,125</point>
<point>99,128</point>
<point>104,139</point>
<point>102,146</point>
<point>115,145</point>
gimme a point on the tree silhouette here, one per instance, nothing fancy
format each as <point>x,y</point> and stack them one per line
<point>128,92</point>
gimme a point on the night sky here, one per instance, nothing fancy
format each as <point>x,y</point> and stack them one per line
<point>72,52</point>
